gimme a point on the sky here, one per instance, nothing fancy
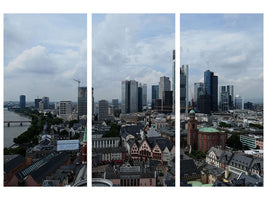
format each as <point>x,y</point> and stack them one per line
<point>43,53</point>
<point>130,47</point>
<point>230,45</point>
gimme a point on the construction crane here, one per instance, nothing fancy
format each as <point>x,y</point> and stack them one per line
<point>78,82</point>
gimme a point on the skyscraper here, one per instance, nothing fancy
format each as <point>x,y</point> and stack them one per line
<point>129,96</point>
<point>82,101</point>
<point>22,101</point>
<point>167,101</point>
<point>155,94</point>
<point>93,102</point>
<point>230,89</point>
<point>45,101</point>
<point>103,110</point>
<point>144,95</point>
<point>140,98</point>
<point>226,94</point>
<point>36,102</point>
<point>164,85</point>
<point>173,80</point>
<point>184,89</point>
<point>198,89</point>
<point>211,89</point>
<point>239,104</point>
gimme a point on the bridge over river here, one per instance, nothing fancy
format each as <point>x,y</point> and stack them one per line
<point>20,122</point>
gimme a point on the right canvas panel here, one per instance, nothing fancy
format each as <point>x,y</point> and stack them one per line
<point>221,100</point>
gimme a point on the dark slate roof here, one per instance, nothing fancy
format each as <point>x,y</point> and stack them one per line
<point>188,167</point>
<point>257,164</point>
<point>241,160</point>
<point>162,142</point>
<point>226,157</point>
<point>248,180</point>
<point>218,152</point>
<point>130,171</point>
<point>12,161</point>
<point>211,169</point>
<point>43,167</point>
<point>109,150</point>
<point>126,130</point>
<point>131,142</point>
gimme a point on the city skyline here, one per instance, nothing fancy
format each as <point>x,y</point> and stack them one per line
<point>230,45</point>
<point>137,47</point>
<point>43,53</point>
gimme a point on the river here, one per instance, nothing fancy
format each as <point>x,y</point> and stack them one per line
<point>15,129</point>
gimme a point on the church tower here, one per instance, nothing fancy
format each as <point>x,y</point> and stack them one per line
<point>192,136</point>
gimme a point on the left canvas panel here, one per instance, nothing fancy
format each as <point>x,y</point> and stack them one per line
<point>45,100</point>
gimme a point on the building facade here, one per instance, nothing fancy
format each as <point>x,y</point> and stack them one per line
<point>102,110</point>
<point>184,88</point>
<point>22,101</point>
<point>211,89</point>
<point>129,96</point>
<point>82,101</point>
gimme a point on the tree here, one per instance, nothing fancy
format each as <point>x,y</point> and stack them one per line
<point>234,142</point>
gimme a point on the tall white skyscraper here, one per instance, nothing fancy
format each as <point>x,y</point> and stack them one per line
<point>129,96</point>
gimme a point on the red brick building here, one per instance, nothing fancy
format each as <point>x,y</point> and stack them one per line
<point>204,138</point>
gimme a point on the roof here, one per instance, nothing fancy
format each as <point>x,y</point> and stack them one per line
<point>241,160</point>
<point>162,142</point>
<point>218,152</point>
<point>208,130</point>
<point>188,167</point>
<point>12,161</point>
<point>43,167</point>
<point>192,111</point>
<point>226,157</point>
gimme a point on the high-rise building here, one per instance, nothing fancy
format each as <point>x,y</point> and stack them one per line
<point>115,102</point>
<point>167,102</point>
<point>129,96</point>
<point>82,101</point>
<point>144,95</point>
<point>155,94</point>
<point>230,89</point>
<point>239,104</point>
<point>36,103</point>
<point>93,102</point>
<point>226,94</point>
<point>211,89</point>
<point>22,101</point>
<point>198,89</point>
<point>65,109</point>
<point>140,98</point>
<point>45,101</point>
<point>103,110</point>
<point>173,80</point>
<point>204,103</point>
<point>164,85</point>
<point>184,89</point>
